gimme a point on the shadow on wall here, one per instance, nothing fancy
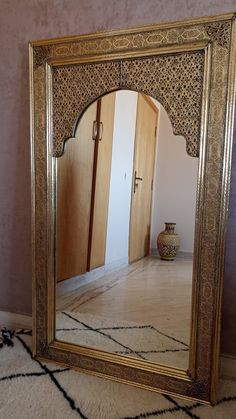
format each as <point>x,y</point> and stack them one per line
<point>15,255</point>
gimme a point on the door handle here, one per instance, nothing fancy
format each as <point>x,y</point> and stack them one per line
<point>136,178</point>
<point>100,131</point>
<point>97,130</point>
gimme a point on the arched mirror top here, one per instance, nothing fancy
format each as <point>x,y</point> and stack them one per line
<point>176,81</point>
<point>189,67</point>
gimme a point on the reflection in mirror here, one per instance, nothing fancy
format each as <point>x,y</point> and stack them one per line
<point>118,182</point>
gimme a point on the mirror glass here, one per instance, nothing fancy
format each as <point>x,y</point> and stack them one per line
<point>123,176</point>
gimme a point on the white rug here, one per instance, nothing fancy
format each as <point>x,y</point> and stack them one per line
<point>143,341</point>
<point>36,390</point>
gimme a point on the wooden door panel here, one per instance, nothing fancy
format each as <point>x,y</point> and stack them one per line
<point>144,158</point>
<point>74,183</point>
<point>102,185</point>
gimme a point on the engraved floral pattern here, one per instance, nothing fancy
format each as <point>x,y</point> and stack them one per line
<point>141,74</point>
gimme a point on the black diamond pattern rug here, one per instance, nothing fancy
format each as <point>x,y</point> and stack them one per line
<point>140,340</point>
<point>32,389</point>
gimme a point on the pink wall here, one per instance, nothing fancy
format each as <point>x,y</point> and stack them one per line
<point>24,20</point>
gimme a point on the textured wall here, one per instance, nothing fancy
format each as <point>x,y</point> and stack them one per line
<point>24,20</point>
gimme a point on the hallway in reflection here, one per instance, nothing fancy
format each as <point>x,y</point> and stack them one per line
<point>142,309</point>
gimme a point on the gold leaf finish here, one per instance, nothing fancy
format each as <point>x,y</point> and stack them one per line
<point>76,86</point>
<point>190,68</point>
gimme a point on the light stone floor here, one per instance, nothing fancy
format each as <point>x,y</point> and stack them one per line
<point>147,292</point>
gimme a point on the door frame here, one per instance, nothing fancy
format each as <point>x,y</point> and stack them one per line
<point>157,110</point>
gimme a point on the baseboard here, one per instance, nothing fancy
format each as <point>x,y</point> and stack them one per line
<point>76,282</point>
<point>116,264</point>
<point>15,321</point>
<point>228,367</point>
<point>180,254</point>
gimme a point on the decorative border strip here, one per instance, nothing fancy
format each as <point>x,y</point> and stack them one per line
<point>213,191</point>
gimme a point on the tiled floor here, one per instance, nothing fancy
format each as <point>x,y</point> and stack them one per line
<point>150,294</point>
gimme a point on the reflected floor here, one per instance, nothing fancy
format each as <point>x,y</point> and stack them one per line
<point>140,310</point>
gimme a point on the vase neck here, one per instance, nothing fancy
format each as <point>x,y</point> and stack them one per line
<point>170,227</point>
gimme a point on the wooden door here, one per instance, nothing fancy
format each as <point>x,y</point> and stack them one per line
<point>74,186</point>
<point>144,159</point>
<point>102,172</point>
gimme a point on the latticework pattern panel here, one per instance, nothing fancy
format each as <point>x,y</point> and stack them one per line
<point>174,80</point>
<point>74,88</point>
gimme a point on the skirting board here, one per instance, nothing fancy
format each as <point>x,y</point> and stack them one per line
<point>180,254</point>
<point>228,367</point>
<point>15,321</point>
<point>76,282</point>
<point>20,321</point>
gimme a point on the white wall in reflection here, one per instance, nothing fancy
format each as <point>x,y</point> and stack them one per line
<point>121,176</point>
<point>175,184</point>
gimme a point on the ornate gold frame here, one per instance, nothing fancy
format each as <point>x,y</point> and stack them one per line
<point>118,59</point>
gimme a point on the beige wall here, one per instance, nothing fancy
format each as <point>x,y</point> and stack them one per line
<point>24,20</point>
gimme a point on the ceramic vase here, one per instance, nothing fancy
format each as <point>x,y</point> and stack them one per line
<point>168,242</point>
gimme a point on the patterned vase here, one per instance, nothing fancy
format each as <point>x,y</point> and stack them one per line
<point>168,242</point>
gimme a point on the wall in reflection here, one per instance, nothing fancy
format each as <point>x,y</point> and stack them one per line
<point>123,176</point>
<point>175,184</point>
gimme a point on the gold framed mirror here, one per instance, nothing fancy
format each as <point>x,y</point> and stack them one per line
<point>186,69</point>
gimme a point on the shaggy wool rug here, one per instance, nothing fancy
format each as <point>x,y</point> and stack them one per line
<point>33,389</point>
